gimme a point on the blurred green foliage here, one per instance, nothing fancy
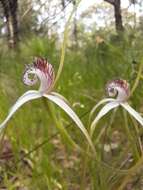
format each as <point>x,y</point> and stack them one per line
<point>87,69</point>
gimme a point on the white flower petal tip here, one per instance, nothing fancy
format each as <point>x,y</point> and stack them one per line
<point>118,89</point>
<point>101,113</point>
<point>42,70</point>
<point>63,105</point>
<point>30,95</point>
<point>132,112</point>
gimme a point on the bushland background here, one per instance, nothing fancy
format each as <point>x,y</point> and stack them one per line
<point>105,41</point>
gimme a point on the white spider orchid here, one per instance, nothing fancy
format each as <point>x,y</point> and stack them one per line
<point>119,89</point>
<point>44,71</point>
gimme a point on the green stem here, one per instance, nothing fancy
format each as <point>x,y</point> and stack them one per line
<point>129,135</point>
<point>2,139</point>
<point>85,161</point>
<point>137,134</point>
<point>59,126</point>
<point>64,43</point>
<point>137,78</point>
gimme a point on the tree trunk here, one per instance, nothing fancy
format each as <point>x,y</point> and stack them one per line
<point>118,16</point>
<point>117,13</point>
<point>13,9</point>
<point>75,30</point>
<point>10,13</point>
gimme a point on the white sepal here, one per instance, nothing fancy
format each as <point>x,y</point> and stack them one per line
<point>63,105</point>
<point>135,114</point>
<point>103,112</point>
<point>98,104</point>
<point>29,95</point>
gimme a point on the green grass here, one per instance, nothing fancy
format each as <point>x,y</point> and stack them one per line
<point>56,164</point>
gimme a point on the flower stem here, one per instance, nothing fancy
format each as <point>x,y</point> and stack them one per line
<point>64,43</point>
<point>137,78</point>
<point>137,134</point>
<point>59,126</point>
<point>86,159</point>
<point>131,139</point>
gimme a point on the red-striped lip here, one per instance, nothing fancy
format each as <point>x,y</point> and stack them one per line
<point>39,69</point>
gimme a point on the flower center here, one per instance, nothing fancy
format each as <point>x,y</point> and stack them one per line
<point>40,69</point>
<point>119,89</point>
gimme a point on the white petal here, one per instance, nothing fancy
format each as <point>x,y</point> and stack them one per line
<point>60,96</point>
<point>103,112</point>
<point>62,104</point>
<point>135,114</point>
<point>100,103</point>
<point>29,95</point>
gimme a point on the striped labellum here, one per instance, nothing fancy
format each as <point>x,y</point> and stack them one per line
<point>41,70</point>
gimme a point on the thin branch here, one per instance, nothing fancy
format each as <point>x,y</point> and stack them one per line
<point>29,10</point>
<point>110,1</point>
<point>47,19</point>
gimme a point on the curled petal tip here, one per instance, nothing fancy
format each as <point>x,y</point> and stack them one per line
<point>42,70</point>
<point>118,88</point>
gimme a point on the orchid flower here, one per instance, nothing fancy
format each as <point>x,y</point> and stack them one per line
<point>44,71</point>
<point>119,89</point>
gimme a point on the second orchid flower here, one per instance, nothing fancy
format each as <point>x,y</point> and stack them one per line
<point>119,89</point>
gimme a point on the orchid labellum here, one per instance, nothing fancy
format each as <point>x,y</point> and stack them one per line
<point>119,89</point>
<point>44,71</point>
